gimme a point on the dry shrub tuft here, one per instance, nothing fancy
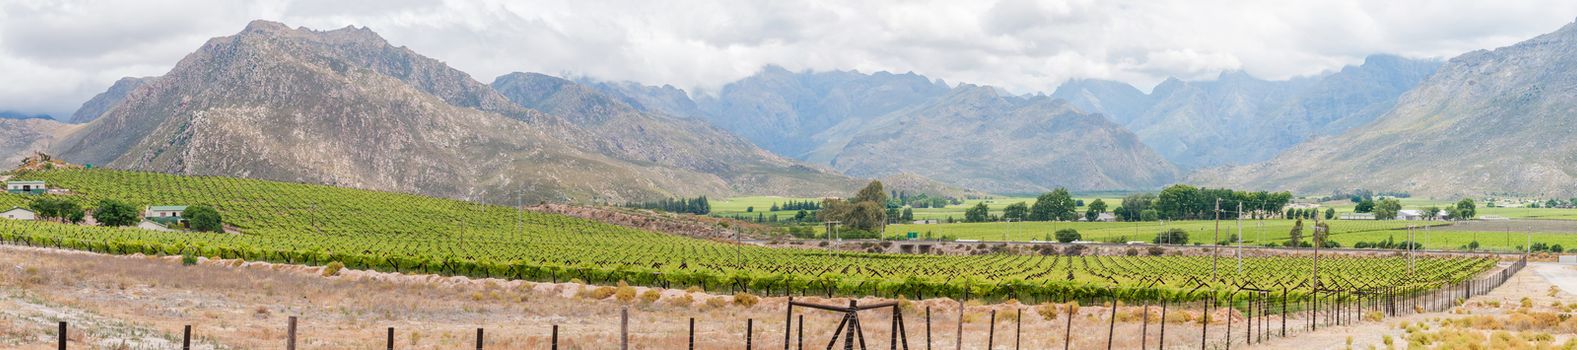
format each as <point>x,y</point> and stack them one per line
<point>625,293</point>
<point>682,300</point>
<point>333,269</point>
<point>745,299</point>
<point>651,296</point>
<point>716,302</point>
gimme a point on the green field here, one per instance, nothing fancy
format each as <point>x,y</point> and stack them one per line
<point>1201,231</point>
<point>314,225</point>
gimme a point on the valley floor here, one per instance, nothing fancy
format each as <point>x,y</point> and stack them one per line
<point>138,302</point>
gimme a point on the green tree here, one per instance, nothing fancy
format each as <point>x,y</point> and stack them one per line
<point>1330,213</point>
<point>57,209</point>
<point>1295,236</point>
<point>1466,209</point>
<point>908,214</point>
<point>1054,205</point>
<point>1094,210</point>
<point>1365,206</point>
<point>1431,213</point>
<point>1177,202</point>
<point>204,218</point>
<point>1387,208</point>
<point>112,212</point>
<point>1016,211</point>
<point>979,213</point>
<point>1068,235</point>
<point>867,211</point>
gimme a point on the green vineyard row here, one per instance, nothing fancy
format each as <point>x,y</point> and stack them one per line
<point>315,225</point>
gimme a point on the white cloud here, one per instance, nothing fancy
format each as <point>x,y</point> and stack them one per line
<point>56,54</point>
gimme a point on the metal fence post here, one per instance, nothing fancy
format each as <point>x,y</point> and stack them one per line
<point>186,338</point>
<point>991,331</point>
<point>391,338</point>
<point>61,341</point>
<point>624,328</point>
<point>556,337</point>
<point>478,338</point>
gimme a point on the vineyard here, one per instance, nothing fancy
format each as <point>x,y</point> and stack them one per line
<point>315,225</point>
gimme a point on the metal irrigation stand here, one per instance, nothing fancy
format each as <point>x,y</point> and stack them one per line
<point>851,320</point>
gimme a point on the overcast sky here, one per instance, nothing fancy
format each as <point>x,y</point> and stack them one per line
<point>56,54</point>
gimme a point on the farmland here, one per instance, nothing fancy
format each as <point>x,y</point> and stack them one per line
<point>315,225</point>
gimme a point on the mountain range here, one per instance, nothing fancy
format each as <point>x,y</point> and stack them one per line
<point>345,107</point>
<point>1485,122</point>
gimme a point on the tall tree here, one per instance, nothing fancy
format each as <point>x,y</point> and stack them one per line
<point>1094,210</point>
<point>1386,209</point>
<point>112,212</point>
<point>1466,209</point>
<point>1295,236</point>
<point>1055,205</point>
<point>1016,211</point>
<point>204,218</point>
<point>979,213</point>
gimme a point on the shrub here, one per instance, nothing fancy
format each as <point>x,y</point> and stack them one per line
<point>716,302</point>
<point>625,293</point>
<point>746,299</point>
<point>188,259</point>
<point>600,293</point>
<point>1047,311</point>
<point>1156,251</point>
<point>333,269</point>
<point>651,296</point>
<point>1067,235</point>
<point>204,218</point>
<point>112,212</point>
<point>1172,236</point>
<point>682,300</point>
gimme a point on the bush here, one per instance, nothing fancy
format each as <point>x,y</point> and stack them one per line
<point>333,269</point>
<point>746,299</point>
<point>188,259</point>
<point>625,293</point>
<point>1156,251</point>
<point>601,293</point>
<point>716,302</point>
<point>1172,236</point>
<point>112,212</point>
<point>651,296</point>
<point>682,300</point>
<point>1067,235</point>
<point>204,218</point>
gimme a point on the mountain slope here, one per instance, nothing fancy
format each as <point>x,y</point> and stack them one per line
<point>344,107</point>
<point>1485,122</point>
<point>1239,119</point>
<point>979,138</point>
<point>20,137</point>
<point>102,102</point>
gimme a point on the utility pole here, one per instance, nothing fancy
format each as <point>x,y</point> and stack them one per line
<point>1240,238</point>
<point>1215,251</point>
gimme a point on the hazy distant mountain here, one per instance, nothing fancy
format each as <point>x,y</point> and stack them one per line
<point>20,115</point>
<point>344,107</point>
<point>103,101</point>
<point>1239,119</point>
<point>1486,122</point>
<point>626,132</point>
<point>780,110</point>
<point>980,138</point>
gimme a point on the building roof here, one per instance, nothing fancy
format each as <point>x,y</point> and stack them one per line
<point>25,182</point>
<point>15,209</point>
<point>1410,212</point>
<point>167,208</point>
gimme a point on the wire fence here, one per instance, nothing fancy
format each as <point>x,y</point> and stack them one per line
<point>1243,316</point>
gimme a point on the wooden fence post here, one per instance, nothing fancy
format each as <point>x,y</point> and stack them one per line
<point>624,328</point>
<point>692,333</point>
<point>927,328</point>
<point>991,332</point>
<point>62,336</point>
<point>391,338</point>
<point>290,333</point>
<point>479,338</point>
<point>186,338</point>
<point>750,330</point>
<point>555,337</point>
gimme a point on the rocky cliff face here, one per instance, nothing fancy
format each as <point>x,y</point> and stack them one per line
<point>19,138</point>
<point>344,107</point>
<point>1486,122</point>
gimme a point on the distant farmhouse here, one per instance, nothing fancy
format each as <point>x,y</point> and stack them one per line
<point>165,214</point>
<point>19,213</point>
<point>26,187</point>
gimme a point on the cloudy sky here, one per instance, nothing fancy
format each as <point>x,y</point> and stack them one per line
<point>56,54</point>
